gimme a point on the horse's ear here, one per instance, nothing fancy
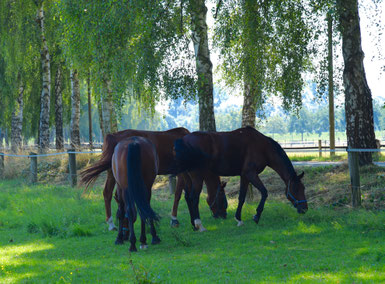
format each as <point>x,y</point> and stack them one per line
<point>301,175</point>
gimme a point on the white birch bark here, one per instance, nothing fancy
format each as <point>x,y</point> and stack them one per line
<point>204,66</point>
<point>46,90</point>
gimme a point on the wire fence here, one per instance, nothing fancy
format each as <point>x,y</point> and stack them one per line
<point>62,167</point>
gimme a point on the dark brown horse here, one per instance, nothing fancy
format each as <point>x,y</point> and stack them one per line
<point>164,142</point>
<point>135,165</point>
<point>244,152</point>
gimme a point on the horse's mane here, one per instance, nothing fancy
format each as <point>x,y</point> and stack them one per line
<point>278,149</point>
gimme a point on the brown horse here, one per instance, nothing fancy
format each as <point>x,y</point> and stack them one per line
<point>134,166</point>
<point>244,152</point>
<point>163,141</point>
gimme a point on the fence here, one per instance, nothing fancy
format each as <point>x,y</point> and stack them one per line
<point>353,163</point>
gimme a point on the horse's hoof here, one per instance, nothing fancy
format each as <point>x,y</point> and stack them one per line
<point>174,223</point>
<point>202,229</point>
<point>133,249</point>
<point>111,225</point>
<point>155,240</point>
<point>239,222</point>
<point>256,219</point>
<point>119,242</point>
<point>143,246</point>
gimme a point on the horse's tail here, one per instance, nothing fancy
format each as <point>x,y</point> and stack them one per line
<point>136,192</point>
<point>89,175</point>
<point>187,157</point>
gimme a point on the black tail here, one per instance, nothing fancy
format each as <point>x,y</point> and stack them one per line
<point>187,157</point>
<point>137,191</point>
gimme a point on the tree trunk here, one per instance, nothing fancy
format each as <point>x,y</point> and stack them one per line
<point>75,110</point>
<point>89,110</point>
<point>46,91</point>
<point>108,113</point>
<point>331,86</point>
<point>358,97</point>
<point>101,122</point>
<point>17,121</point>
<point>59,110</point>
<point>251,95</point>
<point>203,65</point>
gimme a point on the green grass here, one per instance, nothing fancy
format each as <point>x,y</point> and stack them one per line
<point>53,234</point>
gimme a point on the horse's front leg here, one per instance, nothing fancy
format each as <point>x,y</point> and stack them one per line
<point>241,199</point>
<point>256,181</point>
<point>155,238</point>
<point>107,194</point>
<point>178,193</point>
<point>197,183</point>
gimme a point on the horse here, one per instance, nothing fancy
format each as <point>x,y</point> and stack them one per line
<point>163,141</point>
<point>135,165</point>
<point>244,152</point>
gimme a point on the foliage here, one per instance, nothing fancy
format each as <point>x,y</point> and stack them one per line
<point>267,42</point>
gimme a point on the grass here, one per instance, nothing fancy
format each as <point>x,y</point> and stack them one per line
<point>54,234</point>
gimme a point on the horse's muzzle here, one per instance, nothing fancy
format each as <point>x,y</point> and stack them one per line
<point>302,208</point>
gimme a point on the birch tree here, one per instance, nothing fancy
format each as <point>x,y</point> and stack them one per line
<point>358,97</point>
<point>17,120</point>
<point>46,77</point>
<point>59,141</point>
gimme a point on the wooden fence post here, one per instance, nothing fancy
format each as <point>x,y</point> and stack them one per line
<point>72,167</point>
<point>33,168</point>
<point>172,184</point>
<point>354,170</point>
<point>320,148</point>
<point>1,166</point>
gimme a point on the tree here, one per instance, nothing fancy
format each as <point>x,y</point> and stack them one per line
<point>358,97</point>
<point>198,11</point>
<point>59,109</point>
<point>46,78</point>
<point>75,110</point>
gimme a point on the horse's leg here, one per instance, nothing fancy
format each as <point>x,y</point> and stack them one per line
<point>241,199</point>
<point>256,181</point>
<point>197,183</point>
<point>107,194</point>
<point>212,183</point>
<point>131,219</point>
<point>188,196</point>
<point>143,239</point>
<point>155,238</point>
<point>177,196</point>
<point>120,213</point>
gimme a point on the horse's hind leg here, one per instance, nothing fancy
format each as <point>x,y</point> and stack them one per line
<point>131,216</point>
<point>155,238</point>
<point>177,196</point>
<point>256,181</point>
<point>241,199</point>
<point>143,239</point>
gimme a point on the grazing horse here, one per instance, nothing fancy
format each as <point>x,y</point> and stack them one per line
<point>163,142</point>
<point>135,165</point>
<point>244,152</point>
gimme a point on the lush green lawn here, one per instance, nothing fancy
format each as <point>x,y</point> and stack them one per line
<point>53,234</point>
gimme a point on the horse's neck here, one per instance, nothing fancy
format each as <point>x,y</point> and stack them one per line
<point>278,164</point>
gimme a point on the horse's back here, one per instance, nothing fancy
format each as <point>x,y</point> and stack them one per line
<point>162,140</point>
<point>230,152</point>
<point>147,159</point>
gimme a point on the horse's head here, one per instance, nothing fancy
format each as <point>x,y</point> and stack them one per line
<point>295,192</point>
<point>219,206</point>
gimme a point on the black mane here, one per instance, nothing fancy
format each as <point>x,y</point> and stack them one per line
<point>284,157</point>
